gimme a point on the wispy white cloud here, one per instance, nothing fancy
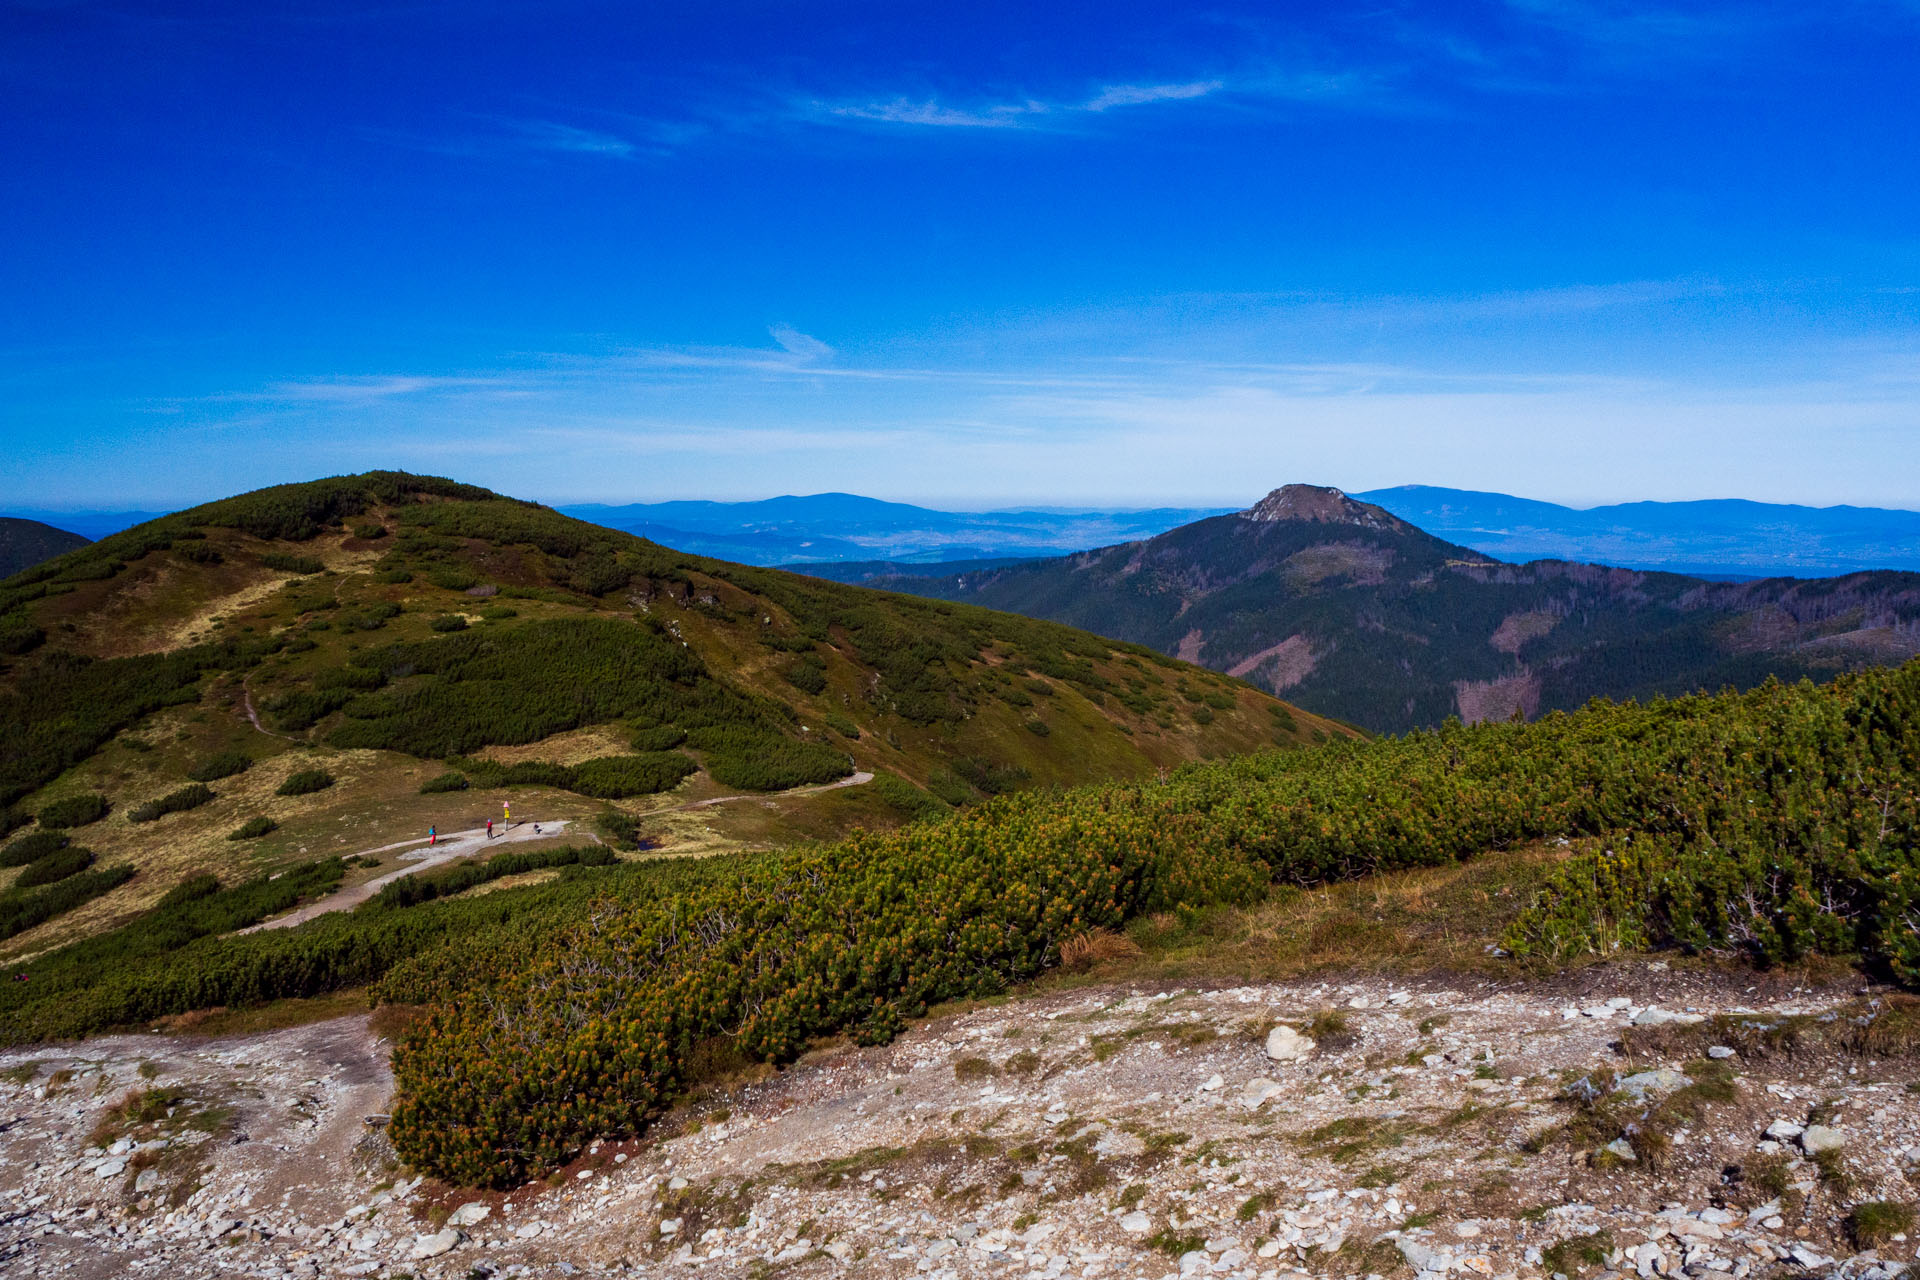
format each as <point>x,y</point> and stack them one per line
<point>932,114</point>
<point>548,135</point>
<point>1133,95</point>
<point>365,390</point>
<point>803,345</point>
<point>1019,113</point>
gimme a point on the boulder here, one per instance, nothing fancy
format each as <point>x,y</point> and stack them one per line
<point>1256,1092</point>
<point>1136,1223</point>
<point>436,1244</point>
<point>1816,1138</point>
<point>1659,1080</point>
<point>470,1214</point>
<point>1284,1044</point>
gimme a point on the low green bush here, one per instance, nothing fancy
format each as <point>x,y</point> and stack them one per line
<point>20,912</point>
<point>448,622</point>
<point>56,866</point>
<point>253,828</point>
<point>755,759</point>
<point>622,830</point>
<point>192,889</point>
<point>1038,728</point>
<point>807,675</point>
<point>32,847</point>
<point>73,811</point>
<point>11,820</point>
<point>499,613</point>
<point>19,634</point>
<point>452,780</point>
<point>663,737</point>
<point>188,797</point>
<point>292,563</point>
<point>908,799</point>
<point>453,577</point>
<point>305,783</point>
<point>224,765</point>
<point>618,777</point>
<point>414,889</point>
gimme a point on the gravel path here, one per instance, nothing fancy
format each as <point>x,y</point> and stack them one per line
<point>450,847</point>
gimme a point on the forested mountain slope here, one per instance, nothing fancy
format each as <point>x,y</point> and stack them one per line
<point>1354,613</point>
<point>25,543</point>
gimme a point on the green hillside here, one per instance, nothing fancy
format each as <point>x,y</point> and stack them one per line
<point>1762,828</point>
<point>1350,612</point>
<point>325,668</point>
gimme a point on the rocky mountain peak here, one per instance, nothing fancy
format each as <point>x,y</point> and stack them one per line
<point>1319,504</point>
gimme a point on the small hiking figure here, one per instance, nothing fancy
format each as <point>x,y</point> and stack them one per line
<point>536,828</point>
<point>431,837</point>
<point>489,828</point>
<point>506,814</point>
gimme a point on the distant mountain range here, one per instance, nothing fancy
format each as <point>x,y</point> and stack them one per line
<point>25,543</point>
<point>1717,538</point>
<point>1714,539</point>
<point>844,527</point>
<point>1353,612</point>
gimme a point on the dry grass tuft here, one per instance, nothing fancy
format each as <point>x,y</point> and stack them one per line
<point>1100,947</point>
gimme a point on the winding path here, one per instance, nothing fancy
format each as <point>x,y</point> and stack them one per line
<point>450,847</point>
<point>455,845</point>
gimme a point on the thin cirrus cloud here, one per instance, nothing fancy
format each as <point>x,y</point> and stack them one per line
<point>1019,114</point>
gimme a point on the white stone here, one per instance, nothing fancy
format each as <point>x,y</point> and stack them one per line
<point>1816,1138</point>
<point>1284,1044</point>
<point>670,1226</point>
<point>1620,1148</point>
<point>470,1214</point>
<point>1136,1223</point>
<point>436,1244</point>
<point>1659,1080</point>
<point>1719,1051</point>
<point>1255,1093</point>
<point>1212,1082</point>
<point>1784,1130</point>
<point>112,1168</point>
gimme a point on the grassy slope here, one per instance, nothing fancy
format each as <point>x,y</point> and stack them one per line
<point>925,685</point>
<point>1391,646</point>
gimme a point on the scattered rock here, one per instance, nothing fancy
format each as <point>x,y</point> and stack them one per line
<point>1255,1093</point>
<point>1284,1044</point>
<point>470,1214</point>
<point>1660,1080</point>
<point>434,1245</point>
<point>1720,1051</point>
<point>1136,1223</point>
<point>1816,1138</point>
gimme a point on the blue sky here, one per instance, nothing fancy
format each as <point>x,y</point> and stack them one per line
<point>981,255</point>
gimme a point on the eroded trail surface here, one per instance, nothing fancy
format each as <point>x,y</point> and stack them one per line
<point>450,847</point>
<point>1626,1122</point>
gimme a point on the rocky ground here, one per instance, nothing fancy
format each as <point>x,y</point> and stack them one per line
<point>1642,1123</point>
